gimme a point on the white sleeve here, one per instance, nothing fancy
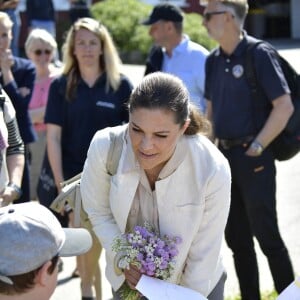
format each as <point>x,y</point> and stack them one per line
<point>95,189</point>
<point>205,250</point>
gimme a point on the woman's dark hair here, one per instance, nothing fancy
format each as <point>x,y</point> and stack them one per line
<point>165,91</point>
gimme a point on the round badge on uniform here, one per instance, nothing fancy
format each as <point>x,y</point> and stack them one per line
<point>237,71</point>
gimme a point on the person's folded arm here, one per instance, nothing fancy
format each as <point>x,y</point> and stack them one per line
<point>277,120</point>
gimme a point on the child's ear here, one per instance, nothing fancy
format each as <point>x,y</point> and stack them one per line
<point>43,275</point>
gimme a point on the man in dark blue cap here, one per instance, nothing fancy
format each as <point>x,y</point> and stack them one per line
<point>174,52</point>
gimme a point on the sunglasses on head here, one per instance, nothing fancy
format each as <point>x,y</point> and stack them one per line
<point>207,16</point>
<point>39,52</point>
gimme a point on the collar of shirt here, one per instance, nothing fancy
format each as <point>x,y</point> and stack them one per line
<point>240,48</point>
<point>181,47</point>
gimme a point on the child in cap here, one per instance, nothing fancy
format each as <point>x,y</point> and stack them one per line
<point>31,242</point>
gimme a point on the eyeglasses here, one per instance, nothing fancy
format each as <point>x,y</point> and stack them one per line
<point>207,16</point>
<point>39,52</point>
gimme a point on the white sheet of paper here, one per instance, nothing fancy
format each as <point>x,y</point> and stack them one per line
<point>154,289</point>
<point>292,292</point>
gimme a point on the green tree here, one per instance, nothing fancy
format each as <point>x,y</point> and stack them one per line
<point>123,18</point>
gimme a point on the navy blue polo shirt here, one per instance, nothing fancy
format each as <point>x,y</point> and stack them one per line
<point>23,71</point>
<point>234,114</point>
<point>92,109</point>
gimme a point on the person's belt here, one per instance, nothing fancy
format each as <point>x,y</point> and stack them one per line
<point>229,143</point>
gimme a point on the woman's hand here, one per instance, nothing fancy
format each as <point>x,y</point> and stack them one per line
<point>132,276</point>
<point>7,60</point>
<point>8,196</point>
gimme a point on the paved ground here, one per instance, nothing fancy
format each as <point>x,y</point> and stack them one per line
<point>288,180</point>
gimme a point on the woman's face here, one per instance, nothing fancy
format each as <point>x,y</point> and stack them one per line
<point>40,53</point>
<point>5,37</point>
<point>154,136</point>
<point>87,48</point>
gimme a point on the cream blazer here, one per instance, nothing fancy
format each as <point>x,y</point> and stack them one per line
<point>193,203</point>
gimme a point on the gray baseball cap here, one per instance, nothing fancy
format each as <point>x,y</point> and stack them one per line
<point>30,235</point>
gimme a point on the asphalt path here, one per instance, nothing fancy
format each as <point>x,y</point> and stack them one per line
<point>288,207</point>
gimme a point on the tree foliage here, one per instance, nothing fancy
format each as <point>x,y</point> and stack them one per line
<point>122,19</point>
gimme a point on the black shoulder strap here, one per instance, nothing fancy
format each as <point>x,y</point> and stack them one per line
<point>154,60</point>
<point>256,91</point>
<point>250,71</point>
<point>2,98</point>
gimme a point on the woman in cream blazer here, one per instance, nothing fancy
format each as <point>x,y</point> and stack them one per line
<point>169,175</point>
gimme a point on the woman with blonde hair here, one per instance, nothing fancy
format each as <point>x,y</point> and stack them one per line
<point>90,95</point>
<point>40,48</point>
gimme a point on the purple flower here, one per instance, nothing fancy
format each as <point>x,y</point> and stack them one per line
<point>150,273</point>
<point>153,254</point>
<point>173,252</point>
<point>140,257</point>
<point>178,240</point>
<point>163,265</point>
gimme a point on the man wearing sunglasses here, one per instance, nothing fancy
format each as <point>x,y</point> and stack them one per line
<point>235,117</point>
<point>32,240</point>
<point>174,52</point>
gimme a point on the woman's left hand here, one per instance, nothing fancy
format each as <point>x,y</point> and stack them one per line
<point>6,60</point>
<point>132,276</point>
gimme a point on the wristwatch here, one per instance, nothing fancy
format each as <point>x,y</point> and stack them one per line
<point>16,189</point>
<point>257,147</point>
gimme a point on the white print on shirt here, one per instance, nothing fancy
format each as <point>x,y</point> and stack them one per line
<point>105,104</point>
<point>237,71</point>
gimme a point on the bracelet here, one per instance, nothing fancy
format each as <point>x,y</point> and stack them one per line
<point>16,189</point>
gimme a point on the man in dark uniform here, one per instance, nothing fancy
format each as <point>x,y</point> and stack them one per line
<point>235,120</point>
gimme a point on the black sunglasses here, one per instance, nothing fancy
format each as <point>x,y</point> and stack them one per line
<point>207,16</point>
<point>39,52</point>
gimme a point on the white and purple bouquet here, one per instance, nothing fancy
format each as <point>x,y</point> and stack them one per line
<point>152,254</point>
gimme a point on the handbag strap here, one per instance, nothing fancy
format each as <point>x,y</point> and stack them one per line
<point>77,208</point>
<point>115,149</point>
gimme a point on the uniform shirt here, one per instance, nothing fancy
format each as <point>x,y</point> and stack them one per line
<point>92,109</point>
<point>228,89</point>
<point>187,62</point>
<point>24,75</point>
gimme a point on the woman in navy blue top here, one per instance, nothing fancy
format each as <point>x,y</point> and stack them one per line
<point>90,95</point>
<point>17,77</point>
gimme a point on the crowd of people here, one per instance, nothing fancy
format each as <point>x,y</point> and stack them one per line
<point>191,117</point>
